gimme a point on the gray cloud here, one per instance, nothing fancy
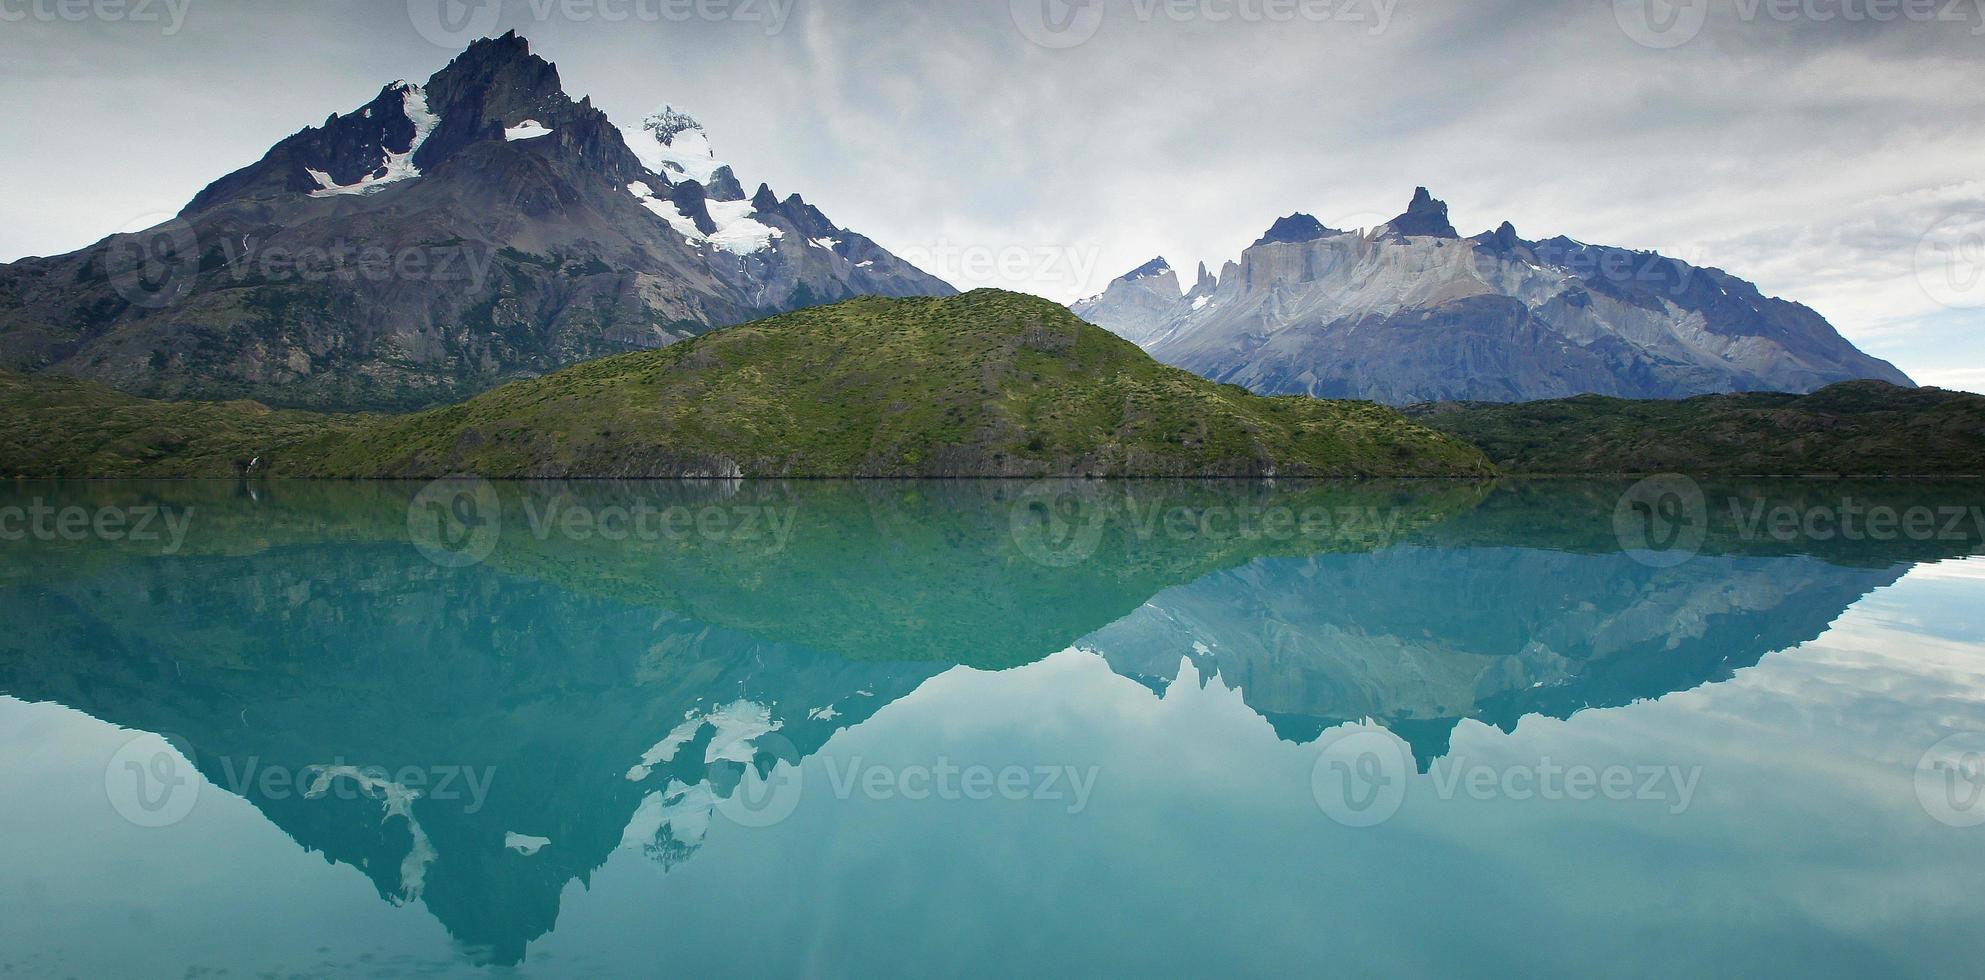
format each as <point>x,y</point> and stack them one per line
<point>1809,155</point>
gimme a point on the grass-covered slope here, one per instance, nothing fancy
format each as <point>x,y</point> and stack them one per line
<point>986,384</point>
<point>1859,428</point>
<point>63,427</point>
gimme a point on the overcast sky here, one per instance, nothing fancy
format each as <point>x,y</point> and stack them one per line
<point>1833,151</point>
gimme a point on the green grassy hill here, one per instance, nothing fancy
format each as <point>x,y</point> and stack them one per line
<point>987,384</point>
<point>1856,428</point>
<point>63,427</point>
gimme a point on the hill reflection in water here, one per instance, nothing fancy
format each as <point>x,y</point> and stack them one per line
<point>618,686</point>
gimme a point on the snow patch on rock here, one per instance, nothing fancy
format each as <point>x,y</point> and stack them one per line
<point>524,843</point>
<point>665,750</point>
<point>529,129</point>
<point>672,144</point>
<point>737,230</point>
<point>395,167</point>
<point>667,211</point>
<point>396,801</point>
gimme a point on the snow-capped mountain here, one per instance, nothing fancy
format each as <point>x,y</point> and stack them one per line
<point>1143,304</point>
<point>1411,312</point>
<point>439,240</point>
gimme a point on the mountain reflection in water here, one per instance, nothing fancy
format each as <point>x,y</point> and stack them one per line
<point>611,688</point>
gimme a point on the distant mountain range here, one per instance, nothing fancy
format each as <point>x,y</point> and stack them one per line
<point>1412,312</point>
<point>483,227</point>
<point>981,385</point>
<point>433,243</point>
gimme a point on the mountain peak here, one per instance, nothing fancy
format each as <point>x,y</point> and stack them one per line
<point>1152,269</point>
<point>1503,239</point>
<point>487,157</point>
<point>668,122</point>
<point>1424,216</point>
<point>1204,283</point>
<point>504,63</point>
<point>671,143</point>
<point>509,45</point>
<point>1298,227</point>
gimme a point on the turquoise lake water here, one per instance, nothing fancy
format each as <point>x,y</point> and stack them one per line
<point>987,728</point>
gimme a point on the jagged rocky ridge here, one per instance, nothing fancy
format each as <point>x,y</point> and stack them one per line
<point>1412,312</point>
<point>439,240</point>
<point>1420,639</point>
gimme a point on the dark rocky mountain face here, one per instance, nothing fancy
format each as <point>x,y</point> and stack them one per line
<point>1298,227</point>
<point>1424,217</point>
<point>1410,312</point>
<point>437,241</point>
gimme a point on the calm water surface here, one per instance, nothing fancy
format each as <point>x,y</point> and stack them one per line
<point>985,729</point>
